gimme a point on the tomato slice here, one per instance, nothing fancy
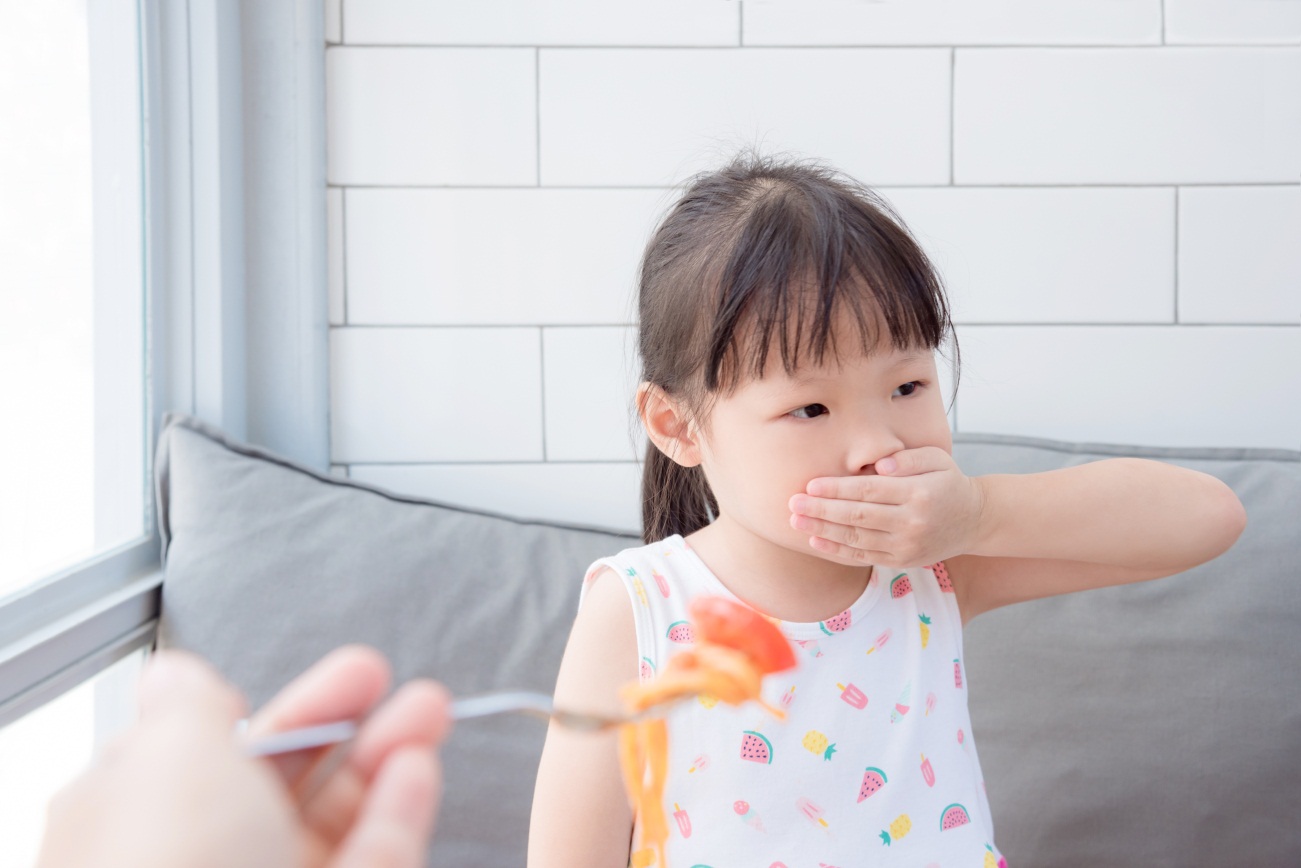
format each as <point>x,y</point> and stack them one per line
<point>727,622</point>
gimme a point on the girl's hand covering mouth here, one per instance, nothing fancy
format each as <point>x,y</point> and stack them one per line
<point>921,512</point>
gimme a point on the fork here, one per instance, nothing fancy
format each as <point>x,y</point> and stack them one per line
<point>483,705</point>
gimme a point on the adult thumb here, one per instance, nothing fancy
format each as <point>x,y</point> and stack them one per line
<point>396,820</point>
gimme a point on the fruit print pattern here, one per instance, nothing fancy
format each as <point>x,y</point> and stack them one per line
<point>756,748</point>
<point>900,827</point>
<point>873,780</point>
<point>941,577</point>
<point>817,743</point>
<point>838,624</point>
<point>681,632</point>
<point>954,816</point>
<point>900,586</point>
<point>733,771</point>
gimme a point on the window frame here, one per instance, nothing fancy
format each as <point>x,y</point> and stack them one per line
<point>196,88</point>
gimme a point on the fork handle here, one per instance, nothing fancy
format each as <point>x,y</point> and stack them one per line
<point>501,702</point>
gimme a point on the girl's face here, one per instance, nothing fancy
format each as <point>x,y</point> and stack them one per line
<point>769,438</point>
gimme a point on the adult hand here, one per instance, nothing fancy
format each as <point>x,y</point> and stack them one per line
<point>177,789</point>
<point>918,512</point>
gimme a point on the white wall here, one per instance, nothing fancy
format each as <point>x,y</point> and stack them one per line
<point>1109,188</point>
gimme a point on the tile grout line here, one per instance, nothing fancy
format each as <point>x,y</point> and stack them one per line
<point>542,384</point>
<point>343,221</point>
<point>953,108</point>
<point>537,106</point>
<point>861,46</point>
<point>1009,185</point>
<point>1176,256</point>
<point>740,23</point>
<point>965,325</point>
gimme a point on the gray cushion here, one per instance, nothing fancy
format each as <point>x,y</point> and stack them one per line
<point>270,565</point>
<point>1152,724</point>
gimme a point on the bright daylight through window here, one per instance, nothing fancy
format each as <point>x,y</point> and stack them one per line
<point>72,346</point>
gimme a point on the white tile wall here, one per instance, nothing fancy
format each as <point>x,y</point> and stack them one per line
<point>613,117</point>
<point>590,378</point>
<point>1127,116</point>
<point>1153,385</point>
<point>335,243</point>
<point>599,494</point>
<point>1049,254</point>
<point>1110,190</point>
<point>1240,255</point>
<point>420,116</point>
<point>333,21</point>
<point>520,256</point>
<point>1233,21</point>
<point>953,22</point>
<point>554,22</point>
<point>410,395</point>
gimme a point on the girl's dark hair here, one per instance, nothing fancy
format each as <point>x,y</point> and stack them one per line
<point>759,245</point>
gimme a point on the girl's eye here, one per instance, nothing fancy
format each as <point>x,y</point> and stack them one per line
<point>915,386</point>
<point>820,410</point>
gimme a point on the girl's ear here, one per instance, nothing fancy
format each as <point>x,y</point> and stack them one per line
<point>667,426</point>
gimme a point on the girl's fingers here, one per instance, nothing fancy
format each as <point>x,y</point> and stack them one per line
<point>854,513</point>
<point>396,821</point>
<point>854,536</point>
<point>848,554</point>
<point>858,489</point>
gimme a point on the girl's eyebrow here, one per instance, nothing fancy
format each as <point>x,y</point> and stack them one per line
<point>800,380</point>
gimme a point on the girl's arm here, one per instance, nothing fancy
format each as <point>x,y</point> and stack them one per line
<point>581,816</point>
<point>1108,522</point>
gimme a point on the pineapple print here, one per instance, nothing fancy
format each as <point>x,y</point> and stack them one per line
<point>640,590</point>
<point>900,827</point>
<point>926,629</point>
<point>816,743</point>
<point>990,861</point>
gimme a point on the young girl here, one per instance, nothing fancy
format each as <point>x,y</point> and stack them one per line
<point>800,462</point>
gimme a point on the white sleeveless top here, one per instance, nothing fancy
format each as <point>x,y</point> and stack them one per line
<point>875,763</point>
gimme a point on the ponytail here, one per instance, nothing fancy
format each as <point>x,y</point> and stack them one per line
<point>674,499</point>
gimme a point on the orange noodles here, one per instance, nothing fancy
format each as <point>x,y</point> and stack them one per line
<point>734,648</point>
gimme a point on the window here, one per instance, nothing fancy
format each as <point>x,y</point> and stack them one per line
<point>131,130</point>
<point>75,523</point>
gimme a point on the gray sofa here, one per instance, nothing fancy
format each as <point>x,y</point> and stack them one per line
<point>1156,724</point>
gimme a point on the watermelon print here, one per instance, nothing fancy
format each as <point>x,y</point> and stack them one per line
<point>680,632</point>
<point>941,576</point>
<point>838,624</point>
<point>901,586</point>
<point>954,816</point>
<point>756,748</point>
<point>647,669</point>
<point>873,780</point>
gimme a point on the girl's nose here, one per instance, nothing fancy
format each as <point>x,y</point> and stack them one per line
<point>866,450</point>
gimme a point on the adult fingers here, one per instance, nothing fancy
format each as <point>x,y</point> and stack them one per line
<point>417,714</point>
<point>178,682</point>
<point>343,685</point>
<point>397,819</point>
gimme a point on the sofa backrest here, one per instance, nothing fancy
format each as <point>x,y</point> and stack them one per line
<point>1151,724</point>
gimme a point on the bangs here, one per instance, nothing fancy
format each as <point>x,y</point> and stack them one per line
<point>805,262</point>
